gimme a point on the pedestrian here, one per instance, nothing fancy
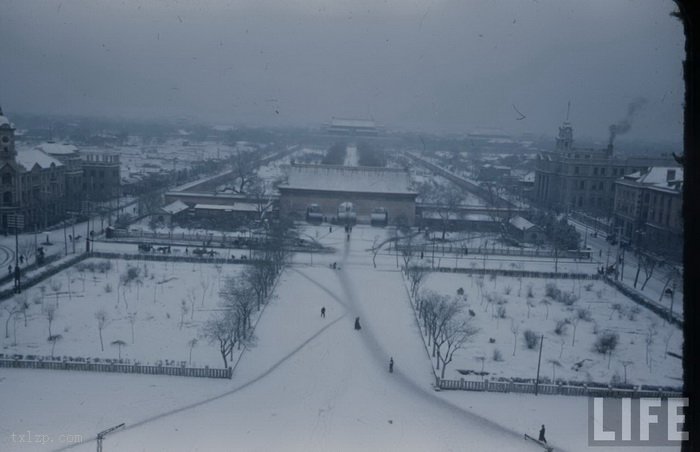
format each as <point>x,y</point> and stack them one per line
<point>9,269</point>
<point>330,229</point>
<point>323,312</point>
<point>391,365</point>
<point>357,323</point>
<point>187,251</point>
<point>541,438</point>
<point>421,254</point>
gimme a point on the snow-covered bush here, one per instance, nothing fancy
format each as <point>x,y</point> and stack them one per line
<point>584,314</point>
<point>561,327</point>
<point>606,342</point>
<point>531,339</point>
<point>497,355</point>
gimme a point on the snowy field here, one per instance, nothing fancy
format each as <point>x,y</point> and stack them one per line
<point>504,304</point>
<point>168,302</point>
<point>309,384</point>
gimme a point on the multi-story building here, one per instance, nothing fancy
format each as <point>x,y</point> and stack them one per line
<point>648,209</point>
<point>101,176</point>
<point>69,155</point>
<point>32,183</point>
<point>571,178</point>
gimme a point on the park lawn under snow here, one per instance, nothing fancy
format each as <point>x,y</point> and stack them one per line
<point>156,297</point>
<point>631,322</point>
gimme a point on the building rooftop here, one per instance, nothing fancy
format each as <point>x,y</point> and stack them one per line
<point>341,122</point>
<point>30,157</point>
<point>520,223</point>
<point>175,207</point>
<point>347,179</point>
<point>661,177</point>
<point>52,148</point>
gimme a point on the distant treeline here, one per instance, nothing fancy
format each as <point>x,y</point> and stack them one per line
<point>335,155</point>
<point>369,155</point>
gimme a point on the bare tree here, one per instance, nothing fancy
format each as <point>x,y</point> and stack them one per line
<point>132,321</point>
<point>245,164</point>
<point>50,313</point>
<point>514,328</point>
<point>554,364</point>
<point>546,303</point>
<point>192,343</point>
<point>456,333</point>
<point>55,288</point>
<point>53,339</point>
<point>239,296</point>
<point>416,274</point>
<point>101,317</point>
<point>119,343</point>
<point>183,312</point>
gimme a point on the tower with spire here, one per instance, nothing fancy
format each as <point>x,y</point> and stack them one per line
<point>565,139</point>
<point>7,140</point>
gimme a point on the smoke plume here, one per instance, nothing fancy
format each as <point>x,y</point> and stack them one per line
<point>624,125</point>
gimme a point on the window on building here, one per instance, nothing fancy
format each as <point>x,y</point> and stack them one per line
<point>7,179</point>
<point>575,169</point>
<point>7,198</point>
<point>602,171</point>
<point>595,171</point>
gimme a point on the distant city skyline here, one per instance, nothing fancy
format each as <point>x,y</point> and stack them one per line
<point>443,66</point>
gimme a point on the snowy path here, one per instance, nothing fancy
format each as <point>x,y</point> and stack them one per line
<point>316,384</point>
<point>309,384</point>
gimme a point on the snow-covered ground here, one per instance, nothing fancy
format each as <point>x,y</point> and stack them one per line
<point>155,297</point>
<point>560,351</point>
<point>310,383</point>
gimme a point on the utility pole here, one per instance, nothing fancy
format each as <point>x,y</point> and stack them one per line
<point>539,360</point>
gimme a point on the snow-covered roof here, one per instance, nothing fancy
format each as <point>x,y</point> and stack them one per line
<point>30,157</point>
<point>175,207</point>
<point>4,121</point>
<point>57,148</point>
<point>520,223</point>
<point>347,179</point>
<point>529,177</point>
<point>661,177</point>
<point>340,122</point>
<point>238,207</point>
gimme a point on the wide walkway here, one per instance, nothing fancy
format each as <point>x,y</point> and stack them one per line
<point>316,384</point>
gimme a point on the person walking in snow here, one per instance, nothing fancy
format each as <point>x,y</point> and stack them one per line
<point>323,312</point>
<point>357,323</point>
<point>541,438</point>
<point>391,365</point>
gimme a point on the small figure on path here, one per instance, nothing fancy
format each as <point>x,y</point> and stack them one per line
<point>335,265</point>
<point>421,254</point>
<point>330,229</point>
<point>357,323</point>
<point>541,438</point>
<point>323,312</point>
<point>9,269</point>
<point>391,365</point>
<point>187,251</point>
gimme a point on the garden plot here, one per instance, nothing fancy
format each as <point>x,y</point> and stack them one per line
<point>592,333</point>
<point>147,312</point>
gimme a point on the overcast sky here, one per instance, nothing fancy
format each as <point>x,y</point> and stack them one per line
<point>440,65</point>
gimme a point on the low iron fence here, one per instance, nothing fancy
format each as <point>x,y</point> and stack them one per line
<point>202,372</point>
<point>556,389</point>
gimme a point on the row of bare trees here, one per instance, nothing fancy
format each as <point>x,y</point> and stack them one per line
<point>231,328</point>
<point>444,326</point>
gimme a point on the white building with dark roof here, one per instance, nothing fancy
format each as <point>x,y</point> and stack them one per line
<point>648,209</point>
<point>329,186</point>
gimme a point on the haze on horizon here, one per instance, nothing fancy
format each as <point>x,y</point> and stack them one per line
<point>439,66</point>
